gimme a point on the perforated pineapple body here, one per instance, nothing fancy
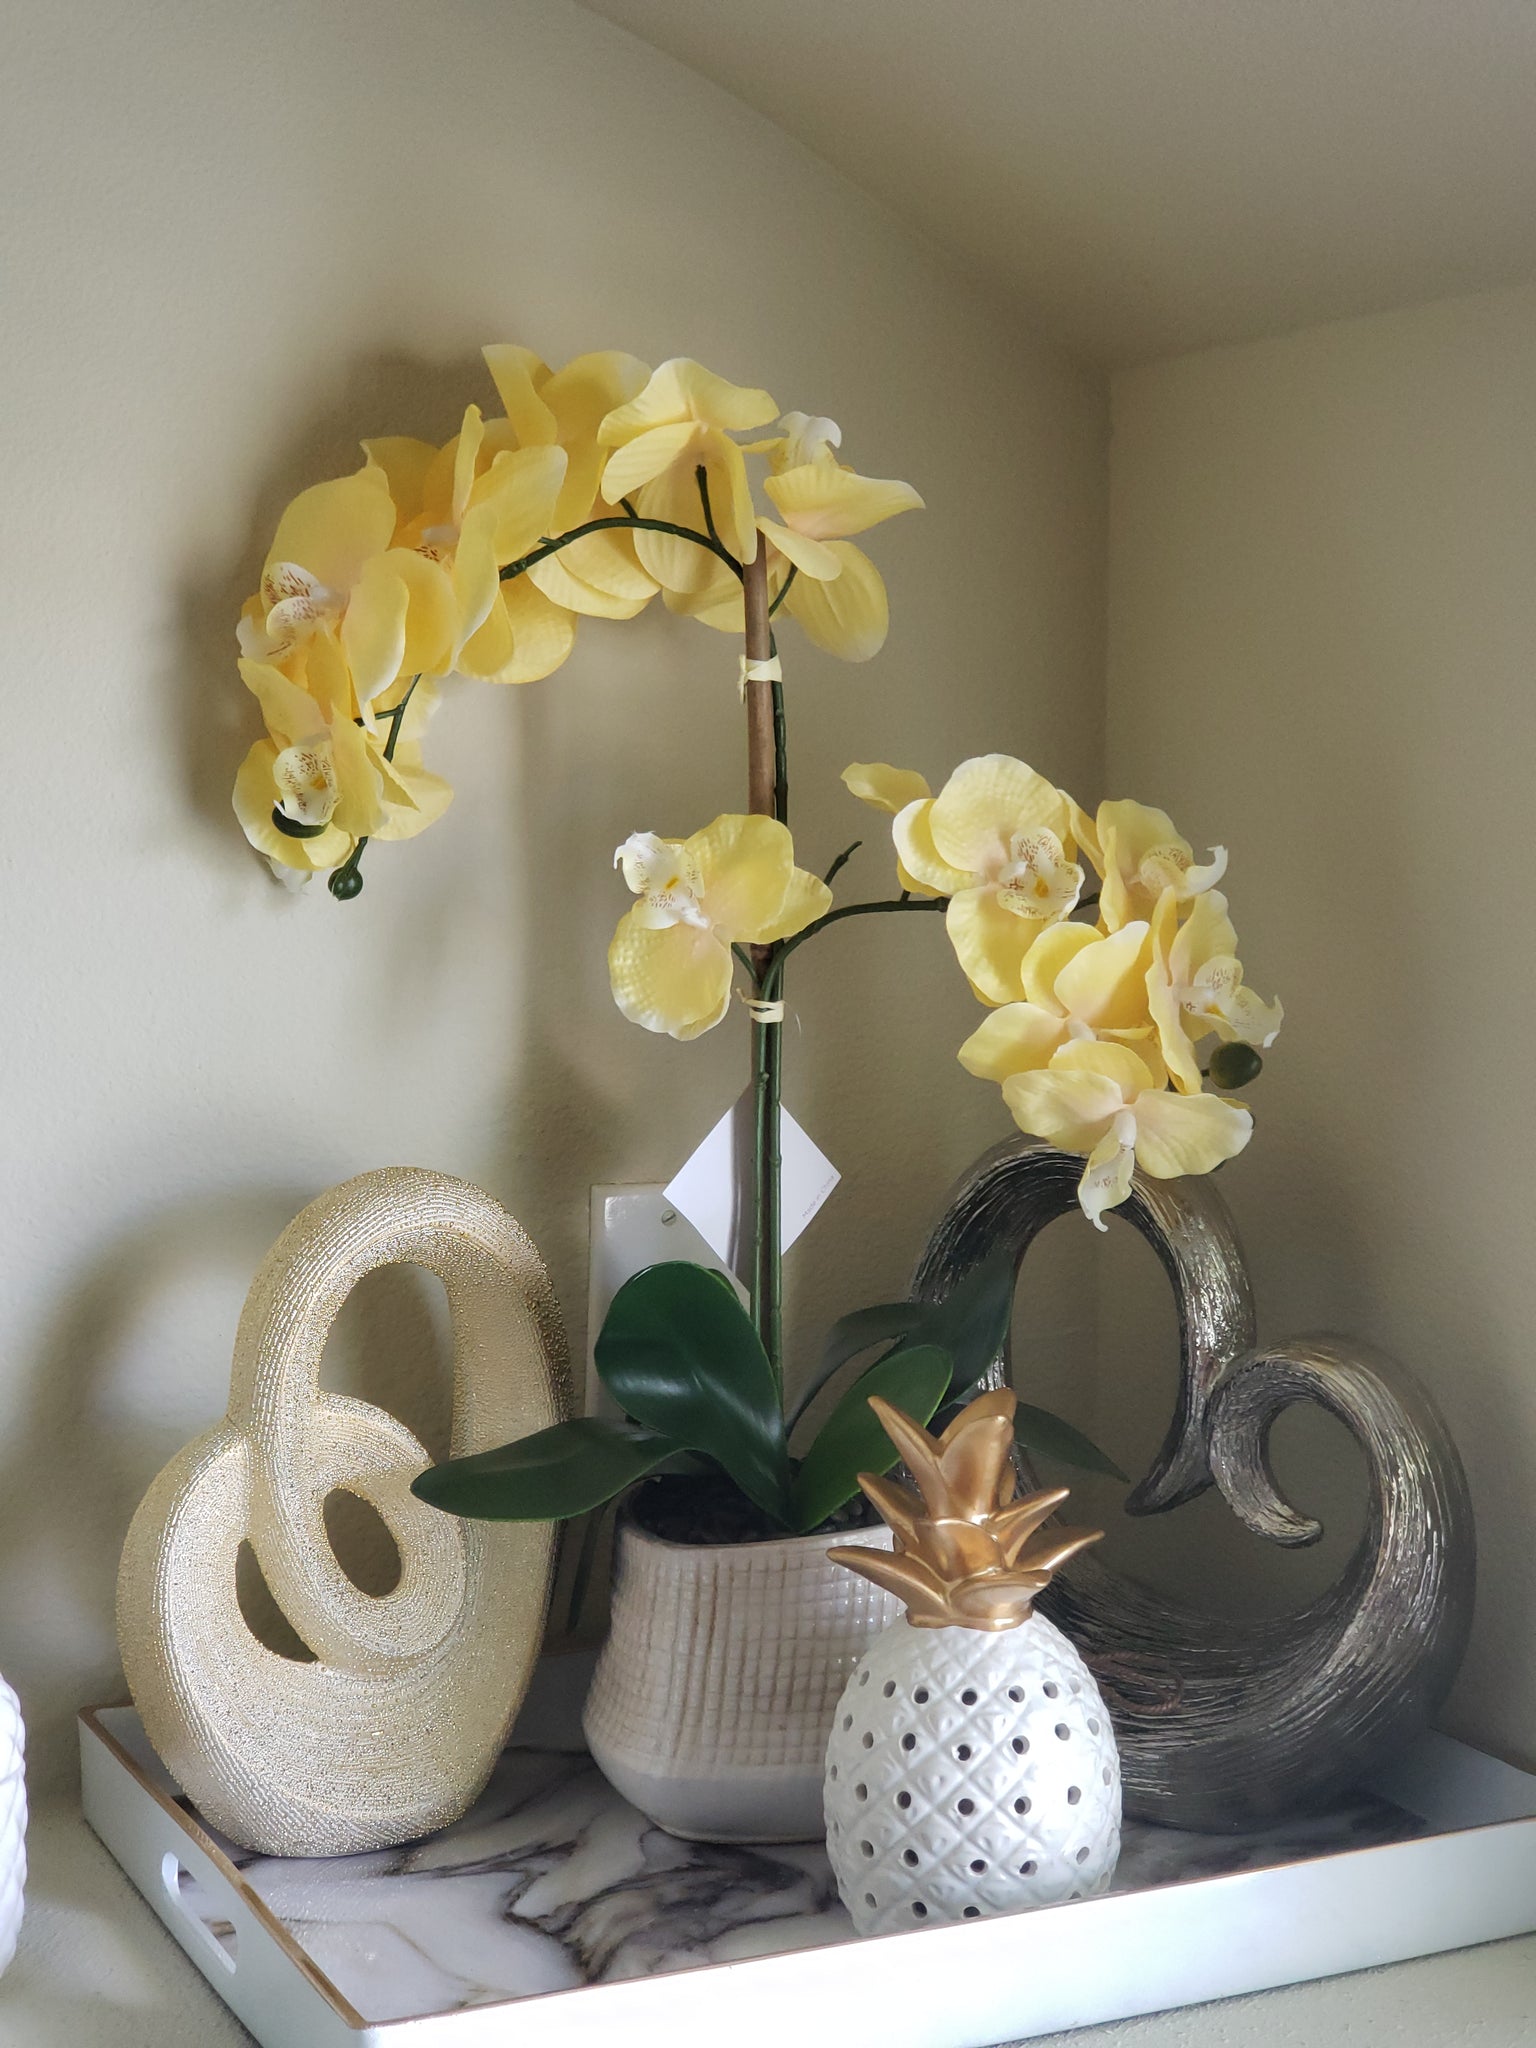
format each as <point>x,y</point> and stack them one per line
<point>970,1774</point>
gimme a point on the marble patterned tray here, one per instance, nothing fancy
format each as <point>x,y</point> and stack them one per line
<point>553,1912</point>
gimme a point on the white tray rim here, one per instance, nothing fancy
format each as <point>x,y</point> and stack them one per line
<point>1043,1948</point>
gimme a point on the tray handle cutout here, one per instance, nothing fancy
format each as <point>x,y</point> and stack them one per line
<point>193,1900</point>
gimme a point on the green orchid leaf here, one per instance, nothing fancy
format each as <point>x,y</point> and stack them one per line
<point>547,1477</point>
<point>850,1441</point>
<point>862,1331</point>
<point>678,1353</point>
<point>972,1321</point>
<point>1037,1430</point>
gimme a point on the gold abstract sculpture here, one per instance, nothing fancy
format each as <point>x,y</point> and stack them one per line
<point>393,1729</point>
<point>966,1554</point>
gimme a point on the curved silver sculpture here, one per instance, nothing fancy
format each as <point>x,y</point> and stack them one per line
<point>1227,1724</point>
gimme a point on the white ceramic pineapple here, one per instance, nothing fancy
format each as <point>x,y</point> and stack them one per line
<point>13,1822</point>
<point>972,1768</point>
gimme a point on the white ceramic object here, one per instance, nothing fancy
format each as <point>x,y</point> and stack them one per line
<point>13,1821</point>
<point>714,1695</point>
<point>970,1774</point>
<point>394,1727</point>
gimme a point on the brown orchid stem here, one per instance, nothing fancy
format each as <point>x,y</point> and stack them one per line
<point>766,797</point>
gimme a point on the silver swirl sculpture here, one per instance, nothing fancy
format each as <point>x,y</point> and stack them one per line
<point>1225,1724</point>
<point>393,1727</point>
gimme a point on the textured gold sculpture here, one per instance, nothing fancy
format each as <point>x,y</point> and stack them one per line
<point>965,1552</point>
<point>394,1727</point>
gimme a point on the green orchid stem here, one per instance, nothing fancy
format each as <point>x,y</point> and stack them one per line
<point>772,983</point>
<point>632,523</point>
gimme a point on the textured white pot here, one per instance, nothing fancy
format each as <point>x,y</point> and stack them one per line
<point>714,1695</point>
<point>13,1822</point>
<point>970,1774</point>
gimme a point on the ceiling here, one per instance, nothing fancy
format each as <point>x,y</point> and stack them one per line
<point>1151,176</point>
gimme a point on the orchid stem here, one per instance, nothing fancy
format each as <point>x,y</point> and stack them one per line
<point>767,796</point>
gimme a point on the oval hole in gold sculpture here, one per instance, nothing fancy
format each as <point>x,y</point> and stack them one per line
<point>364,1548</point>
<point>262,1615</point>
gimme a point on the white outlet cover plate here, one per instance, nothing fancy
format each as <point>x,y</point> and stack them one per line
<point>709,1189</point>
<point>632,1228</point>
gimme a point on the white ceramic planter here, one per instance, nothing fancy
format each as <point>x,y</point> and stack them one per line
<point>714,1695</point>
<point>13,1822</point>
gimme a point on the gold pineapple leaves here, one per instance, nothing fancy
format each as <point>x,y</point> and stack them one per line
<point>967,1554</point>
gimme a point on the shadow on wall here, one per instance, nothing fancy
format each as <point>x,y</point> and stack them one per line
<point>147,1299</point>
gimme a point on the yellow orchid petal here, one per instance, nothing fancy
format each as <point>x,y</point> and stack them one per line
<point>1068,1109</point>
<point>327,677</point>
<point>475,578</point>
<point>677,564</point>
<point>466,460</point>
<point>428,797</point>
<point>256,794</point>
<point>986,803</point>
<point>1127,1070</point>
<point>1206,934</point>
<point>918,857</point>
<point>1105,983</point>
<point>524,639</point>
<point>522,488</point>
<point>1178,1134</point>
<point>290,713</point>
<point>648,456</point>
<point>806,899</point>
<point>684,390</point>
<point>730,496</point>
<point>1107,1177</point>
<point>849,618</point>
<point>431,616</point>
<point>827,502</point>
<point>719,604</point>
<point>1016,1039</point>
<point>406,464</point>
<point>373,631</point>
<point>517,374</point>
<point>1047,960</point>
<point>675,979</point>
<point>883,787</point>
<point>581,395</point>
<point>555,576</point>
<point>334,528</point>
<point>360,800</point>
<point>745,865</point>
<point>810,557</point>
<point>1163,1002</point>
<point>990,943</point>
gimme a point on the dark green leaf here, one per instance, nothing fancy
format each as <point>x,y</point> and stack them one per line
<point>1036,1429</point>
<point>548,1477</point>
<point>860,1331</point>
<point>851,1441</point>
<point>678,1352</point>
<point>972,1321</point>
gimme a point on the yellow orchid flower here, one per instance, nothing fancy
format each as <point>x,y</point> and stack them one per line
<point>324,772</point>
<point>600,574</point>
<point>997,841</point>
<point>734,883</point>
<point>1105,1101</point>
<point>1195,985</point>
<point>883,787</point>
<point>473,505</point>
<point>332,568</point>
<point>682,421</point>
<point>837,594</point>
<point>1139,854</point>
<point>1078,986</point>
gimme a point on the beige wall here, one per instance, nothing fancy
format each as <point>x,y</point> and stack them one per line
<point>237,240</point>
<point>1322,624</point>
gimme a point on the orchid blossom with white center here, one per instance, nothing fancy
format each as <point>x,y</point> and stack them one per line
<point>734,883</point>
<point>1139,854</point>
<point>997,841</point>
<point>333,570</point>
<point>1195,985</point>
<point>1107,1102</point>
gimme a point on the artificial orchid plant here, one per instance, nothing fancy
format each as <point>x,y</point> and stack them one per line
<point>598,486</point>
